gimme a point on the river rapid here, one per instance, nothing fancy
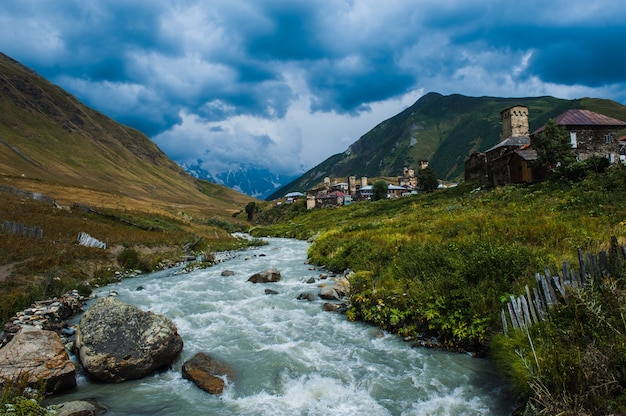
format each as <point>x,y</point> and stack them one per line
<point>290,357</point>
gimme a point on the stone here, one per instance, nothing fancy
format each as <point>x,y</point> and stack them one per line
<point>336,291</point>
<point>329,293</point>
<point>306,296</point>
<point>207,373</point>
<point>80,408</point>
<point>267,276</point>
<point>270,292</point>
<point>39,356</point>
<point>116,341</point>
<point>227,273</point>
<point>331,307</point>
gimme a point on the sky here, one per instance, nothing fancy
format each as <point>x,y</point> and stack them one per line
<point>284,84</point>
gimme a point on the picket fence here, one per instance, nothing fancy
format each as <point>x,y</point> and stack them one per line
<point>552,288</point>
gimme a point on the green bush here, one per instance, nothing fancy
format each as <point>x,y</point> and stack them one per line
<point>129,259</point>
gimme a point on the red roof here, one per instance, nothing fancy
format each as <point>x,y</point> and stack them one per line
<point>584,118</point>
<point>587,118</point>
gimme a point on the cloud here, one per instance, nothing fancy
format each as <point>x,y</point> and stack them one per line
<point>287,84</point>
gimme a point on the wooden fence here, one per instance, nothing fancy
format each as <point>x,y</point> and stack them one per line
<point>86,240</point>
<point>28,194</point>
<point>22,230</point>
<point>552,288</point>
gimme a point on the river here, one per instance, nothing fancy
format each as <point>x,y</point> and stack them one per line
<point>290,357</point>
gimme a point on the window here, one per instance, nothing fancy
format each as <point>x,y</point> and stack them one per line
<point>572,139</point>
<point>607,138</point>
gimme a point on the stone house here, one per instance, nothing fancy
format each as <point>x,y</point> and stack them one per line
<point>509,161</point>
<point>591,134</point>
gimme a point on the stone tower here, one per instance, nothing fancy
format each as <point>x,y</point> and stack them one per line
<point>514,122</point>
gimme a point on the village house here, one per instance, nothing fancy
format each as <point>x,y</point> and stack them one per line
<point>511,160</point>
<point>591,134</point>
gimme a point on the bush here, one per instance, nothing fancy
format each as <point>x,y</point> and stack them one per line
<point>128,259</point>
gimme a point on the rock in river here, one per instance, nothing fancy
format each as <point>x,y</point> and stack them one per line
<point>267,276</point>
<point>39,356</point>
<point>205,372</point>
<point>118,342</point>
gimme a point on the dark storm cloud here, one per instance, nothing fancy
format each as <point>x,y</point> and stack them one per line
<point>195,75</point>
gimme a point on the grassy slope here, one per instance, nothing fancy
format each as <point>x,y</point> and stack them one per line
<point>49,137</point>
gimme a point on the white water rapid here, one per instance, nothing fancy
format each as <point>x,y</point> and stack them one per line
<point>290,357</point>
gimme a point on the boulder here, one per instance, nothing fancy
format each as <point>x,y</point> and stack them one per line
<point>331,307</point>
<point>118,342</point>
<point>80,408</point>
<point>270,292</point>
<point>207,373</point>
<point>267,276</point>
<point>336,291</point>
<point>227,273</point>
<point>329,293</point>
<point>38,355</point>
<point>306,296</point>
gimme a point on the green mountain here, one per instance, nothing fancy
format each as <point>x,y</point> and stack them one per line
<point>444,130</point>
<point>52,143</point>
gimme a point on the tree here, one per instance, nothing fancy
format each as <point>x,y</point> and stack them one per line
<point>250,210</point>
<point>554,150</point>
<point>379,190</point>
<point>427,180</point>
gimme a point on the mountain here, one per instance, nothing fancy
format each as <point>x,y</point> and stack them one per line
<point>254,181</point>
<point>443,130</point>
<point>49,141</point>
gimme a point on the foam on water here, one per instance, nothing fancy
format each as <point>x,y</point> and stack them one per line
<point>289,356</point>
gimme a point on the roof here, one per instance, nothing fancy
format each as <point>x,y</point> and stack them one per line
<point>527,154</point>
<point>585,118</point>
<point>292,194</point>
<point>512,141</point>
<point>334,194</point>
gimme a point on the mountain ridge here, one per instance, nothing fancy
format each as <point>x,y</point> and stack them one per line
<point>48,136</point>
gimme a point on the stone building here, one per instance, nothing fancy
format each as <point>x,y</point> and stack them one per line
<point>591,134</point>
<point>510,160</point>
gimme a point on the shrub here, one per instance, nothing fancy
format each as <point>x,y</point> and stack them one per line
<point>128,259</point>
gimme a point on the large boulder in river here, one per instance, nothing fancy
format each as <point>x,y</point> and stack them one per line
<point>267,276</point>
<point>207,373</point>
<point>36,356</point>
<point>118,342</point>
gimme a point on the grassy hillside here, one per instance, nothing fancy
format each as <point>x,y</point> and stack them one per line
<point>444,130</point>
<point>107,180</point>
<point>46,135</point>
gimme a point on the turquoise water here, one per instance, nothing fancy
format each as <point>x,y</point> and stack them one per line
<point>289,356</point>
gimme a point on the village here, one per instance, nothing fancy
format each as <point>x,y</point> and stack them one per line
<point>337,192</point>
<point>508,162</point>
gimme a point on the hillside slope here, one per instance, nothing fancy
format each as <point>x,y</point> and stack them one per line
<point>444,130</point>
<point>51,142</point>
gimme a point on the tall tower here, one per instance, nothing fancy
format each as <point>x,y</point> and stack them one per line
<point>514,122</point>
